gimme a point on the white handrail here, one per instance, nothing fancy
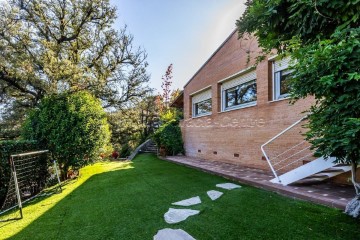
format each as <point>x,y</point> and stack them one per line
<point>275,137</point>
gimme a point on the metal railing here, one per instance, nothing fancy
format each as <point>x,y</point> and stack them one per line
<point>288,149</point>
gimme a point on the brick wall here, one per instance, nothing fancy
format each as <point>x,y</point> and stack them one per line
<point>236,136</point>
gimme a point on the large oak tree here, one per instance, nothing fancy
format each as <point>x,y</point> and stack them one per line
<point>54,46</point>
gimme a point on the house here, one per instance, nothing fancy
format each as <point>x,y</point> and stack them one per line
<point>232,106</point>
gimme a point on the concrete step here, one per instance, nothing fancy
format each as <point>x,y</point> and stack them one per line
<point>151,148</point>
<point>149,151</point>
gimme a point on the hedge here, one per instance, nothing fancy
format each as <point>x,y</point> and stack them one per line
<point>8,148</point>
<point>169,136</point>
<point>73,127</point>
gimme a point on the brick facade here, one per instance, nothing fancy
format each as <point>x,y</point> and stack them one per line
<point>236,136</point>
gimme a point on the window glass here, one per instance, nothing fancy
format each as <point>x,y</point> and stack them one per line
<point>202,107</point>
<point>230,96</point>
<point>284,82</point>
<point>241,94</point>
<point>247,92</point>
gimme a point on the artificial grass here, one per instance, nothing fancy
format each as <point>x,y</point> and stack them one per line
<point>128,200</point>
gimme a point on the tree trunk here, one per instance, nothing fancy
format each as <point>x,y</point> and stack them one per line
<point>353,207</point>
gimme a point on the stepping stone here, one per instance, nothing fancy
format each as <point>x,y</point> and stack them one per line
<point>172,234</point>
<point>214,194</point>
<point>178,215</point>
<point>228,186</point>
<point>188,202</point>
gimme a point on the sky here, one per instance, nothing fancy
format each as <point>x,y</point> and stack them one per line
<point>182,32</point>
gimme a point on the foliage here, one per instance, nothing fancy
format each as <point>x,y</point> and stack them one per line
<point>170,115</point>
<point>330,71</point>
<point>169,136</point>
<point>8,148</point>
<point>275,22</point>
<point>125,126</point>
<point>323,37</point>
<point>133,125</point>
<point>174,94</point>
<point>126,150</point>
<point>166,84</point>
<point>73,126</point>
<point>49,47</point>
<point>10,122</point>
<point>164,99</point>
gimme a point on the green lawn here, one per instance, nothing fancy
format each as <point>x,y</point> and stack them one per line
<point>128,200</point>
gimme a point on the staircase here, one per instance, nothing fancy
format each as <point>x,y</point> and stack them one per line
<point>292,160</point>
<point>149,147</point>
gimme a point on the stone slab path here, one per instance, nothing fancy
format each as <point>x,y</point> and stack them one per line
<point>188,202</point>
<point>172,234</point>
<point>326,193</point>
<point>228,186</point>
<point>178,215</point>
<point>213,195</point>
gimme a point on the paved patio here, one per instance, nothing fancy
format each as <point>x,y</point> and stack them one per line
<point>325,193</point>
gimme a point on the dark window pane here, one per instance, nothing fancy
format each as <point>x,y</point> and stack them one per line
<point>247,92</point>
<point>203,107</point>
<point>244,93</point>
<point>230,97</point>
<point>284,83</point>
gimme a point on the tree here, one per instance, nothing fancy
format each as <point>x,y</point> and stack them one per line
<point>10,123</point>
<point>323,37</point>
<point>162,101</point>
<point>54,46</point>
<point>166,84</point>
<point>133,125</point>
<point>72,126</point>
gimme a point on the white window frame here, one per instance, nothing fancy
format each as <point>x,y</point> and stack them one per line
<point>206,91</point>
<point>276,76</point>
<point>194,115</point>
<point>244,105</point>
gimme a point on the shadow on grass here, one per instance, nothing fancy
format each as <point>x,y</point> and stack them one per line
<point>46,200</point>
<point>13,214</point>
<point>121,204</point>
<point>130,204</point>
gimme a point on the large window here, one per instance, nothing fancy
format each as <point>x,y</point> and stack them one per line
<point>202,103</point>
<point>281,77</point>
<point>239,92</point>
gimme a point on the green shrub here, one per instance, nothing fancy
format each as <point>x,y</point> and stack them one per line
<point>8,148</point>
<point>126,150</point>
<point>73,126</point>
<point>169,137</point>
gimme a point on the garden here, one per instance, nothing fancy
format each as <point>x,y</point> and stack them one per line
<point>128,200</point>
<point>76,89</point>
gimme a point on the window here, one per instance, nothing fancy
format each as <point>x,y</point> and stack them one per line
<point>239,92</point>
<point>282,83</point>
<point>281,78</point>
<point>202,103</point>
<point>203,107</point>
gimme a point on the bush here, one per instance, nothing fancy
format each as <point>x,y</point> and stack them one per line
<point>126,150</point>
<point>73,126</point>
<point>8,148</point>
<point>169,137</point>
